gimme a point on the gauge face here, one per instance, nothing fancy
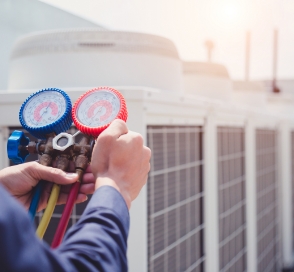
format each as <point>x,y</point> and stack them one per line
<point>93,112</point>
<point>98,108</point>
<point>44,109</point>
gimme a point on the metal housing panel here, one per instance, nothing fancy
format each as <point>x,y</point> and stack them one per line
<point>267,202</point>
<point>232,199</point>
<point>175,199</point>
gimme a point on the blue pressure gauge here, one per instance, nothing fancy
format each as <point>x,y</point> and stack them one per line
<point>46,111</point>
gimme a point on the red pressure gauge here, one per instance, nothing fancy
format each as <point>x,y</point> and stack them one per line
<point>96,109</point>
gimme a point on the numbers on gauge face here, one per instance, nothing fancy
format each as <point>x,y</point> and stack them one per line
<point>98,108</point>
<point>44,108</point>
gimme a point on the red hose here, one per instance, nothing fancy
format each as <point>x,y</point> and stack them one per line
<point>61,228</point>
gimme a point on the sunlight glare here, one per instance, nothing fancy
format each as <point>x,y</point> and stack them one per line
<point>230,12</point>
<point>229,15</point>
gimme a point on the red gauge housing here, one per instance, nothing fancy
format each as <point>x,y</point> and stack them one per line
<point>95,131</point>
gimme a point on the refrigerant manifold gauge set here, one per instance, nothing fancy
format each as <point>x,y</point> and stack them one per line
<point>47,115</point>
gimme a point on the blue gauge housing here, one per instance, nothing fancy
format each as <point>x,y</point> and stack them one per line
<point>58,126</point>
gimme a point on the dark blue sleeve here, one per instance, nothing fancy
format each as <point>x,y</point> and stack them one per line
<point>97,242</point>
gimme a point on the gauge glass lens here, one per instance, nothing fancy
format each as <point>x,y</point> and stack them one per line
<point>98,108</point>
<point>44,109</point>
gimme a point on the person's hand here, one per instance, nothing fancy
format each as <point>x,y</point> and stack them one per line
<point>120,159</point>
<point>20,180</point>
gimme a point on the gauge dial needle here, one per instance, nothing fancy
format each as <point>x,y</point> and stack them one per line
<point>45,111</point>
<point>93,118</point>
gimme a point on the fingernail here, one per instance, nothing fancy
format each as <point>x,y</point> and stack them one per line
<point>71,175</point>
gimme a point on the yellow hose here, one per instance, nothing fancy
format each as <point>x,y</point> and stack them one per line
<point>48,211</point>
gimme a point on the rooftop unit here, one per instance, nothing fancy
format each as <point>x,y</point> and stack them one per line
<point>219,194</point>
<point>207,79</point>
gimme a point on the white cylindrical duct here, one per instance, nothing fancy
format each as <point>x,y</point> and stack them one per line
<point>90,57</point>
<point>207,79</point>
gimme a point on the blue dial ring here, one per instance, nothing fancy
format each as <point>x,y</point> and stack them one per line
<point>58,126</point>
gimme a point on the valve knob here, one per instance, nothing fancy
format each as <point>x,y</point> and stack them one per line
<point>16,154</point>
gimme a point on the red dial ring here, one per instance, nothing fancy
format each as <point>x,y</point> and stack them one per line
<point>95,131</point>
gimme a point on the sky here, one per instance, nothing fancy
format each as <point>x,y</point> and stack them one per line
<point>189,23</point>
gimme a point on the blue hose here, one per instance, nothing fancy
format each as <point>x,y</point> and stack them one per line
<point>36,198</point>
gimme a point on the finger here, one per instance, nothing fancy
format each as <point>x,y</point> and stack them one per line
<point>88,170</point>
<point>88,178</point>
<point>147,151</point>
<point>87,189</point>
<point>63,198</point>
<point>116,129</point>
<point>146,179</point>
<point>81,198</point>
<point>65,188</point>
<point>88,182</point>
<point>132,137</point>
<point>51,174</point>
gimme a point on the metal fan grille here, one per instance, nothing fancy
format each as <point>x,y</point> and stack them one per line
<point>232,199</point>
<point>267,202</point>
<point>175,199</point>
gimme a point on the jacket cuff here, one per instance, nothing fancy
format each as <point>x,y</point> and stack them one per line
<point>109,198</point>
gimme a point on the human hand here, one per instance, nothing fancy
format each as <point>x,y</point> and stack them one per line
<point>20,180</point>
<point>120,159</point>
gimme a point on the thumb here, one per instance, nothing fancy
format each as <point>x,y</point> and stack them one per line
<point>53,174</point>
